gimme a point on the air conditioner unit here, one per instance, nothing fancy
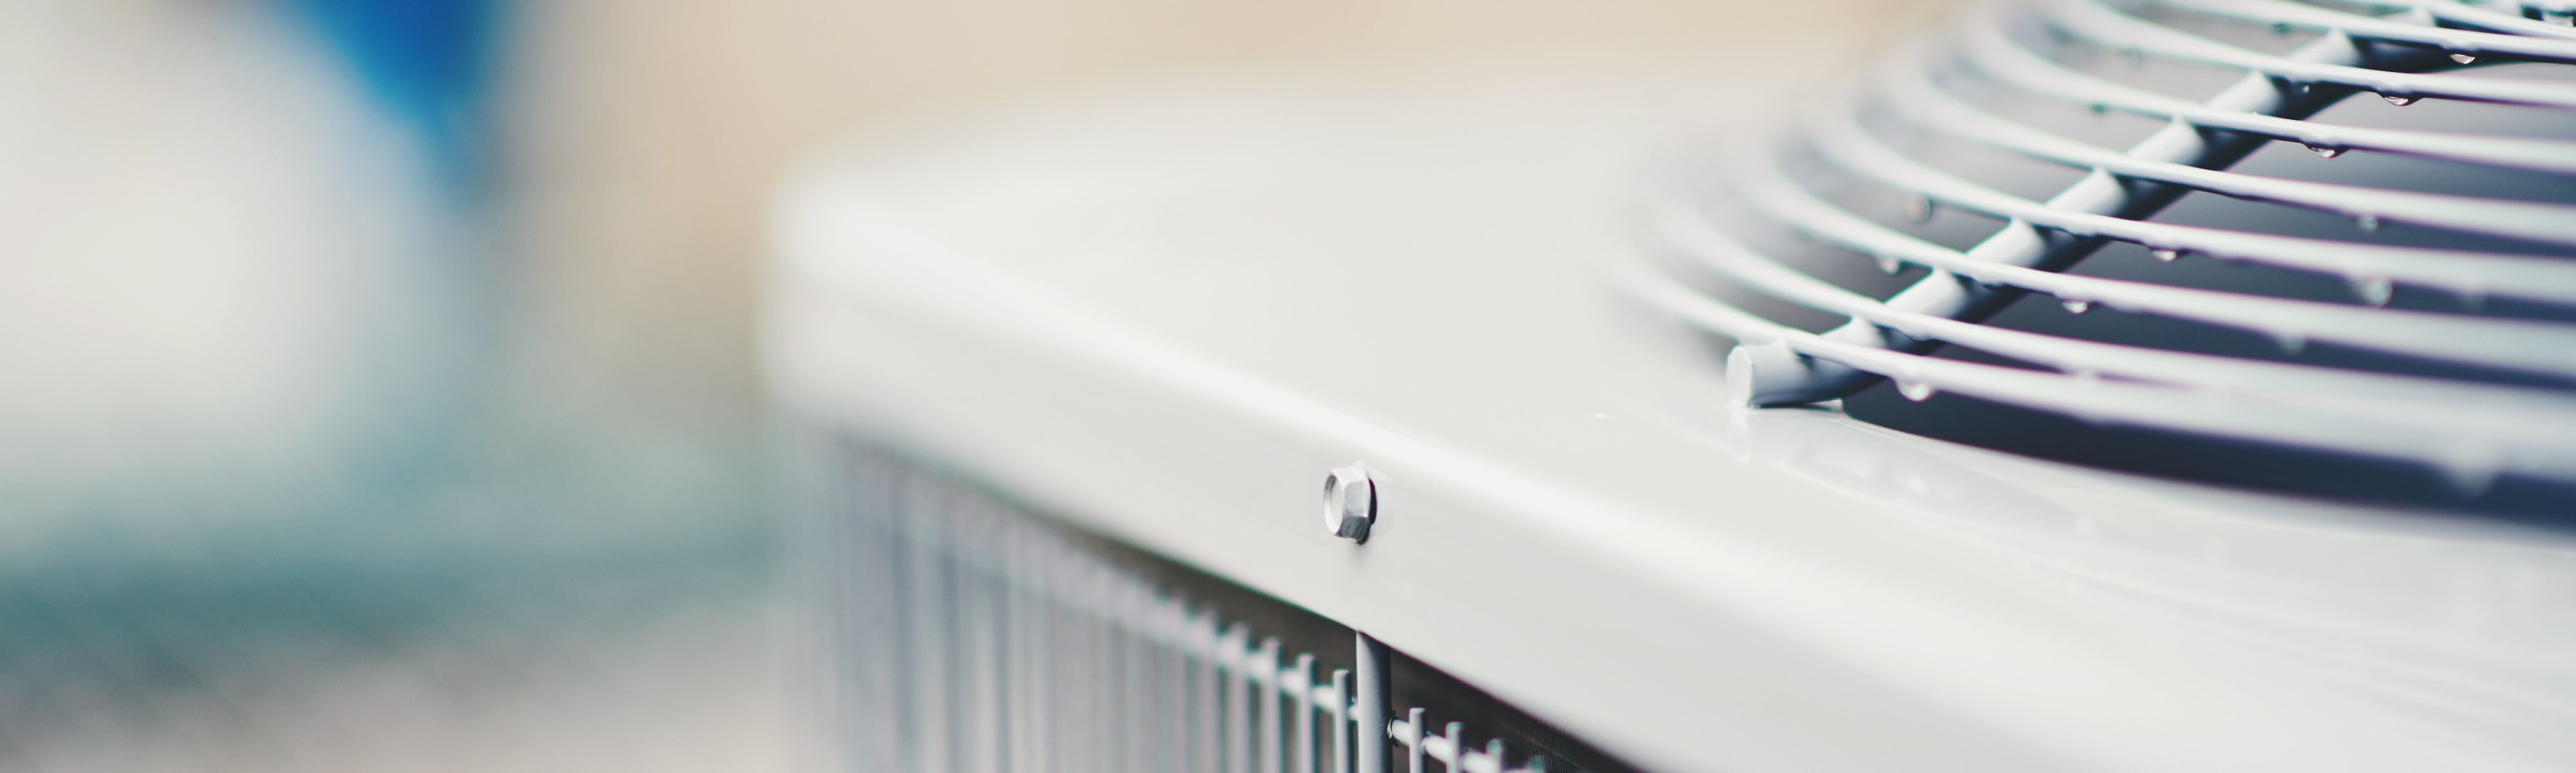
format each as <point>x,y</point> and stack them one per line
<point>1700,417</point>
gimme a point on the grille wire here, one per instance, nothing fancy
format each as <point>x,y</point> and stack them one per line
<point>2403,52</point>
<point>984,637</point>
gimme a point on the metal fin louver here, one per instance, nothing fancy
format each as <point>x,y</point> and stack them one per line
<point>2472,429</point>
<point>975,635</point>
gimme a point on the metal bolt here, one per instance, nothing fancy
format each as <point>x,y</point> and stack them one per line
<point>1350,502</point>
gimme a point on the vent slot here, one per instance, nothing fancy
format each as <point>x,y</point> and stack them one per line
<point>973,634</point>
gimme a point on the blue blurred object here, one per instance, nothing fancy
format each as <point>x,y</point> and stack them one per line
<point>427,61</point>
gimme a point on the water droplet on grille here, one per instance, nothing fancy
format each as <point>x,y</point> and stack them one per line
<point>2471,470</point>
<point>1916,391</point>
<point>2076,306</point>
<point>2166,256</point>
<point>2374,290</point>
<point>2463,58</point>
<point>2400,101</point>
<point>2290,342</point>
<point>2368,223</point>
<point>1919,208</point>
<point>2324,151</point>
<point>1890,265</point>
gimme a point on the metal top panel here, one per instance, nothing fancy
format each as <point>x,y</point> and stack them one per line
<point>1167,311</point>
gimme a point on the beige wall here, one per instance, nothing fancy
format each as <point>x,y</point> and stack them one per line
<point>645,135</point>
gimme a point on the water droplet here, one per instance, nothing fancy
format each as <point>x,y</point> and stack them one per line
<point>1920,208</point>
<point>2368,223</point>
<point>2280,28</point>
<point>1890,265</point>
<point>2400,101</point>
<point>2473,300</point>
<point>2290,342</point>
<point>1916,391</point>
<point>2324,151</point>
<point>2166,256</point>
<point>2100,109</point>
<point>2470,471</point>
<point>2374,290</point>
<point>2463,58</point>
<point>2076,306</point>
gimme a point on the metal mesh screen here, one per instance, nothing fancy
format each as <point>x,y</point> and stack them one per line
<point>972,634</point>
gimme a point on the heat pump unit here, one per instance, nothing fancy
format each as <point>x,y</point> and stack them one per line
<point>2127,386</point>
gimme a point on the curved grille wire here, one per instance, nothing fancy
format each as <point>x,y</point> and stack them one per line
<point>2402,51</point>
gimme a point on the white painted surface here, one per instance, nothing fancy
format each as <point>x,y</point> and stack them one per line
<point>1168,311</point>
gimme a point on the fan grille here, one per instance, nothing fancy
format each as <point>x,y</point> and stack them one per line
<point>2507,416</point>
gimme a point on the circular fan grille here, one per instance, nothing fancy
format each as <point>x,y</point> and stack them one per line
<point>2289,261</point>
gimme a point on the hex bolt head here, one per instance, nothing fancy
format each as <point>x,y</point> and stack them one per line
<point>1350,502</point>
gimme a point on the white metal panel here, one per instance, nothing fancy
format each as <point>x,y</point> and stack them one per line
<point>1169,312</point>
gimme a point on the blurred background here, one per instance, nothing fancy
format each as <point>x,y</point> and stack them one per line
<point>375,375</point>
